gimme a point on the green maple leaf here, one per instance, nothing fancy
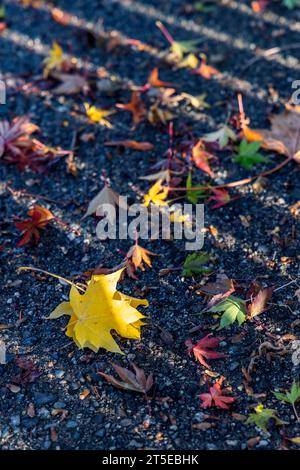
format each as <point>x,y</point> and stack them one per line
<point>232,309</point>
<point>262,416</point>
<point>222,136</point>
<point>193,196</point>
<point>289,397</point>
<point>248,155</point>
<point>179,48</point>
<point>195,264</point>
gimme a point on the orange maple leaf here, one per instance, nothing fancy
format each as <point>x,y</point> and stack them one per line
<point>140,256</point>
<point>135,106</point>
<point>154,81</point>
<point>206,71</point>
<point>201,158</point>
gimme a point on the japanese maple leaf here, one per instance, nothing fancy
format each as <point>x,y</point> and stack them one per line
<point>221,196</point>
<point>216,398</point>
<point>54,60</point>
<point>135,382</point>
<point>30,228</point>
<point>154,81</point>
<point>15,137</point>
<point>156,195</point>
<point>284,135</point>
<point>206,71</point>
<point>135,106</point>
<point>204,349</point>
<point>201,158</point>
<point>98,115</point>
<point>140,256</point>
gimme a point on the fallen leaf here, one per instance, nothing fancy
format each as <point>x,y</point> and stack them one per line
<point>258,304</point>
<point>284,135</point>
<point>262,416</point>
<point>154,81</point>
<point>206,71</point>
<point>201,158</point>
<point>204,349</point>
<point>54,60</point>
<point>231,309</point>
<point>223,135</point>
<point>101,309</point>
<point>196,263</point>
<point>98,115</point>
<point>106,197</point>
<point>203,426</point>
<point>157,115</point>
<point>130,144</point>
<point>135,106</point>
<point>156,195</point>
<point>30,228</point>
<point>216,398</point>
<point>72,83</point>
<point>29,373</point>
<point>221,198</point>
<point>140,256</point>
<point>135,382</point>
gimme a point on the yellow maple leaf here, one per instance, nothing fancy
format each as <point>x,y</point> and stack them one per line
<point>54,59</point>
<point>156,194</point>
<point>101,309</point>
<point>98,115</point>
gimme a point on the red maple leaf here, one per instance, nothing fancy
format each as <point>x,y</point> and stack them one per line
<point>221,196</point>
<point>30,228</point>
<point>215,397</point>
<point>204,349</point>
<point>201,158</point>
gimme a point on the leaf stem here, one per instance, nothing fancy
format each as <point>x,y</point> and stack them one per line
<point>31,268</point>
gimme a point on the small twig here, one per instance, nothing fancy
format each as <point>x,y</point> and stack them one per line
<point>269,53</point>
<point>234,184</point>
<point>31,268</point>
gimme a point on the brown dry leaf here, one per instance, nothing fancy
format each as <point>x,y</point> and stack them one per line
<point>135,106</point>
<point>297,294</point>
<point>253,441</point>
<point>259,302</point>
<point>130,144</point>
<point>284,135</point>
<point>135,382</point>
<point>221,286</point>
<point>157,115</point>
<point>72,83</point>
<point>239,417</point>
<point>203,426</point>
<point>106,196</point>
